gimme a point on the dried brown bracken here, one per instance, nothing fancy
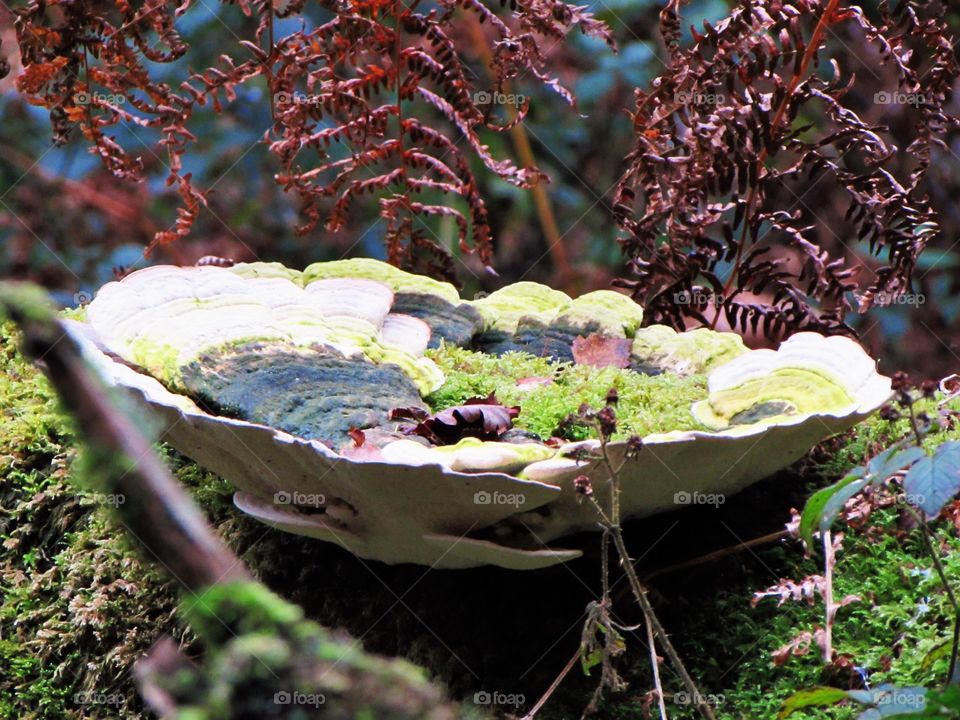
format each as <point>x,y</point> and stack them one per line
<point>376,100</point>
<point>718,144</point>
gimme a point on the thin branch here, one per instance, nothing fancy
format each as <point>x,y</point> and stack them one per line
<point>156,507</point>
<point>828,601</point>
<point>655,664</point>
<point>553,687</point>
<point>719,554</point>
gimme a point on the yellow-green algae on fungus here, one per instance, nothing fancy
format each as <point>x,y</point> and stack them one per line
<point>398,280</point>
<point>268,270</point>
<point>470,454</point>
<point>647,404</point>
<point>437,303</point>
<point>502,310</point>
<point>784,393</point>
<point>613,313</point>
<point>658,348</point>
<point>808,374</point>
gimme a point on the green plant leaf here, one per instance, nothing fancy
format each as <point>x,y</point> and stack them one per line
<point>813,510</point>
<point>891,462</point>
<point>947,699</point>
<point>933,480</point>
<point>836,502</point>
<point>940,650</point>
<point>812,697</point>
<point>589,660</point>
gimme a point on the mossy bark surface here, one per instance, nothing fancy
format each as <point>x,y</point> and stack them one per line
<point>79,606</point>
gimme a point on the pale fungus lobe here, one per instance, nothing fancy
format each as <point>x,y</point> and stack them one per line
<point>367,406</point>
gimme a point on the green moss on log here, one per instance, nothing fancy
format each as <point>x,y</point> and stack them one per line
<point>78,606</point>
<point>266,660</point>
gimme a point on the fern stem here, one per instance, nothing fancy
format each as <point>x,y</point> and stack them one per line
<point>808,55</point>
<point>541,200</point>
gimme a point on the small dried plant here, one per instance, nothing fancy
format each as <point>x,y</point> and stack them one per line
<point>602,639</point>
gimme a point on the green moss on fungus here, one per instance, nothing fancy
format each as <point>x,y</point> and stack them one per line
<point>548,391</point>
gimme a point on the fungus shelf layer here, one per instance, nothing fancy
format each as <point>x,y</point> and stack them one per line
<point>285,382</point>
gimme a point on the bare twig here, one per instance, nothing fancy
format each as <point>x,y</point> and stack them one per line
<point>640,594</point>
<point>719,554</point>
<point>655,664</point>
<point>828,601</point>
<point>553,687</point>
<point>656,629</point>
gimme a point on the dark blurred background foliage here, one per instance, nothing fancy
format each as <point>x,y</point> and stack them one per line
<point>66,222</point>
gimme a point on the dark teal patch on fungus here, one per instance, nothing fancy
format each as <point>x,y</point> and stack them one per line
<point>495,342</point>
<point>644,367</point>
<point>315,393</point>
<point>762,411</point>
<point>454,324</point>
<point>553,341</point>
